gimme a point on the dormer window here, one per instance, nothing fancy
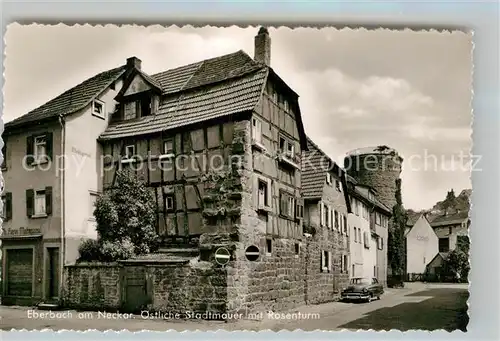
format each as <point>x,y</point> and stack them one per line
<point>146,106</point>
<point>98,109</point>
<point>129,111</point>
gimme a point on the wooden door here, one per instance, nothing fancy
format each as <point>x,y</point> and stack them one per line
<point>52,272</point>
<point>135,289</point>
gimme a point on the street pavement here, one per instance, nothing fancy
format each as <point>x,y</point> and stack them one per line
<point>328,316</point>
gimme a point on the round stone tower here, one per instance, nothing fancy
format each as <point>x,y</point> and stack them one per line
<point>378,167</point>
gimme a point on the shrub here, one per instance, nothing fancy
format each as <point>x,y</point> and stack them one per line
<point>128,210</point>
<point>111,251</point>
<point>126,219</point>
<point>89,250</point>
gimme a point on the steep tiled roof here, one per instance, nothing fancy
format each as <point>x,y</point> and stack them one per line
<point>236,84</point>
<point>412,218</point>
<point>363,191</point>
<point>449,219</point>
<point>209,71</point>
<point>314,166</point>
<point>71,100</point>
<point>229,97</point>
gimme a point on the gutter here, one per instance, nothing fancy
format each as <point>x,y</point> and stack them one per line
<point>63,223</point>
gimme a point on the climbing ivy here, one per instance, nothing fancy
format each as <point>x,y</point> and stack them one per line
<point>396,242</point>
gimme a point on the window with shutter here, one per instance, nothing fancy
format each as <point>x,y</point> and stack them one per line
<point>48,200</point>
<point>8,206</point>
<point>40,203</point>
<point>30,198</point>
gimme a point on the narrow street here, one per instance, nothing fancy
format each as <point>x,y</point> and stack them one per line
<point>417,306</point>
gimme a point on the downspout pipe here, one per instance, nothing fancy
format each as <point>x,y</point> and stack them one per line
<point>62,169</point>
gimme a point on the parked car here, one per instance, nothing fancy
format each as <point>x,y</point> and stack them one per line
<point>362,289</point>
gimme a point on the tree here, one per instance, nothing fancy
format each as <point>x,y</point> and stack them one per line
<point>457,265</point>
<point>125,215</point>
<point>450,200</point>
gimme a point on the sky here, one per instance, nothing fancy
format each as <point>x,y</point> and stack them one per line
<point>410,90</point>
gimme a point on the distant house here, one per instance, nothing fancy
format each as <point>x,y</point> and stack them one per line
<point>421,243</point>
<point>436,264</point>
<point>451,228</point>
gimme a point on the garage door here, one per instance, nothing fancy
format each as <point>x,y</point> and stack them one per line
<point>20,272</point>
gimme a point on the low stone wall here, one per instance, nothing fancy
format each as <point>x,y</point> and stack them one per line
<point>92,286</point>
<point>168,288</point>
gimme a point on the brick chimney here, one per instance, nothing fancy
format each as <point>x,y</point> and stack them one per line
<point>133,62</point>
<point>262,48</point>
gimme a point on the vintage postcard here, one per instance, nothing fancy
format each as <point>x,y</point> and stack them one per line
<point>186,178</point>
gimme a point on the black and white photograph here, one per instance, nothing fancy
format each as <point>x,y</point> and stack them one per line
<point>258,178</point>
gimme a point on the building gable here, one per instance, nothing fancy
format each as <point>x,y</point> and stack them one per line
<point>422,229</point>
<point>137,85</point>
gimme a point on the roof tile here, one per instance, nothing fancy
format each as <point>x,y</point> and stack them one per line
<point>71,100</point>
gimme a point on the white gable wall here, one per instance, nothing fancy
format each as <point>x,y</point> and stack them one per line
<point>422,246</point>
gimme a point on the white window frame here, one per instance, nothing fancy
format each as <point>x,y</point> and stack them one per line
<point>41,195</point>
<point>269,247</point>
<point>165,153</point>
<point>380,243</point>
<point>291,206</point>
<point>326,261</point>
<point>299,210</point>
<point>42,157</point>
<point>103,107</point>
<point>168,207</point>
<point>126,157</point>
<point>328,178</point>
<point>288,147</point>
<point>265,204</point>
<point>366,240</point>
<point>256,130</point>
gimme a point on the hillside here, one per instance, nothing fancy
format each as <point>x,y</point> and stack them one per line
<point>453,202</point>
